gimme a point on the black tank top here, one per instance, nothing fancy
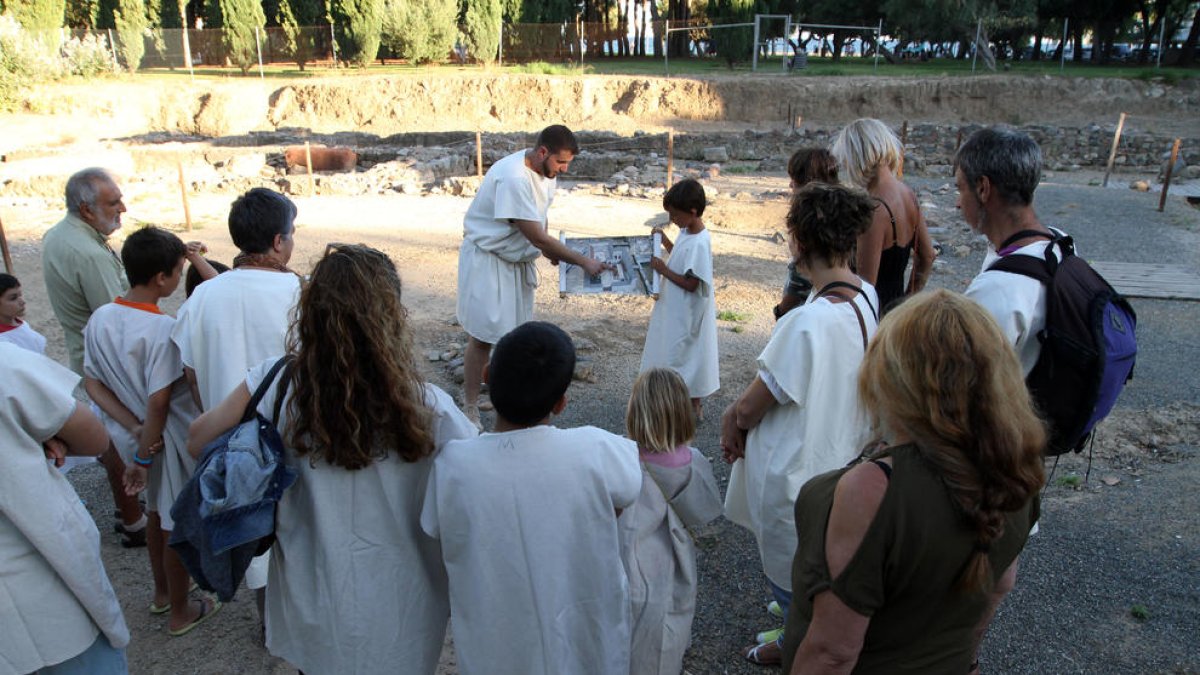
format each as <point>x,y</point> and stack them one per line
<point>893,260</point>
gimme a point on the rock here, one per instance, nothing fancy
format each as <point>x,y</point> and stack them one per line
<point>248,165</point>
<point>716,154</point>
<point>1140,186</point>
<point>1110,480</point>
<point>461,186</point>
<point>1177,174</point>
<point>584,370</point>
<point>456,362</point>
<point>622,189</point>
<point>714,171</point>
<point>409,188</point>
<point>448,355</point>
<point>224,113</point>
<point>962,251</point>
<point>458,375</point>
<point>1192,172</point>
<point>433,355</point>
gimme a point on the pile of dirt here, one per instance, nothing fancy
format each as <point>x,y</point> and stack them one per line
<point>492,102</point>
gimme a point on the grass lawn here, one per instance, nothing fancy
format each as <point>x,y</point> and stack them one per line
<point>701,67</point>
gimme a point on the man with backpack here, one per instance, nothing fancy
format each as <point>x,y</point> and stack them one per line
<point>1074,335</point>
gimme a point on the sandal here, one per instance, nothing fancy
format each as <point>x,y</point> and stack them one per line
<point>763,654</point>
<point>208,607</point>
<point>163,609</point>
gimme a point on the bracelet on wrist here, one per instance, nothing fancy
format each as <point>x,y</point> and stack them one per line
<point>142,462</point>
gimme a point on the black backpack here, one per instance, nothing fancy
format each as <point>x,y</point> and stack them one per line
<point>1088,343</point>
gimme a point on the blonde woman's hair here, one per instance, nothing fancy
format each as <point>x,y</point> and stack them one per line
<point>659,417</point>
<point>863,147</point>
<point>941,371</point>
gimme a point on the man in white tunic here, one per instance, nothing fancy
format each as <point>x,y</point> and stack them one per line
<point>527,519</point>
<point>59,607</point>
<point>240,318</point>
<point>504,232</point>
<point>997,171</point>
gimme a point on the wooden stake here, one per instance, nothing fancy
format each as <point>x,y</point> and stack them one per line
<point>958,141</point>
<point>1162,200</point>
<point>187,211</point>
<point>670,158</point>
<point>8,264</point>
<point>903,141</point>
<point>479,155</point>
<point>312,186</point>
<point>1112,155</point>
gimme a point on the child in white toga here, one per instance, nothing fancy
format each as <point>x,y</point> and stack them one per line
<point>683,327</point>
<point>527,518</point>
<point>678,493</point>
<point>13,328</point>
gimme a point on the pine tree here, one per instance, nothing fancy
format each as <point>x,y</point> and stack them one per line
<point>420,31</point>
<point>481,27</point>
<point>732,44</point>
<point>37,15</point>
<point>130,20</point>
<point>358,25</point>
<point>239,19</point>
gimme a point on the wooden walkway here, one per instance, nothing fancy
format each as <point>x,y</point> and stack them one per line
<point>1169,282</point>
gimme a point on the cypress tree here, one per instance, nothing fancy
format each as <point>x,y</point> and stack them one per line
<point>296,18</point>
<point>358,26</point>
<point>420,31</point>
<point>37,15</point>
<point>239,18</point>
<point>481,27</point>
<point>130,20</point>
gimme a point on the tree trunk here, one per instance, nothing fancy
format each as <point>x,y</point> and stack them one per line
<point>1188,56</point>
<point>656,29</point>
<point>1038,35</point>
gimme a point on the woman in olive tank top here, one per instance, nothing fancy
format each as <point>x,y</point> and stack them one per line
<point>902,560</point>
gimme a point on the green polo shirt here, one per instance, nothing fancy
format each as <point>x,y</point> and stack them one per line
<point>82,273</point>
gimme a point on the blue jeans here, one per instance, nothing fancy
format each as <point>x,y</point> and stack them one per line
<point>784,598</point>
<point>99,659</point>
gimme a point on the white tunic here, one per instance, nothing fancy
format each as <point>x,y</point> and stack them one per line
<point>233,322</point>
<point>496,274</point>
<point>26,337</point>
<point>529,536</point>
<point>660,558</point>
<point>129,350</point>
<point>55,594</point>
<point>355,586</point>
<point>812,359</point>
<point>1017,302</point>
<point>683,325</point>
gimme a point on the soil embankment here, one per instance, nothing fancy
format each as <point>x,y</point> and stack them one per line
<point>393,104</point>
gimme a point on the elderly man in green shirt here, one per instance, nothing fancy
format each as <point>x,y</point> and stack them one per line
<point>82,273</point>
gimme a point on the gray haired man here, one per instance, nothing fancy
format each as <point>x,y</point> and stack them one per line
<point>997,171</point>
<point>82,273</point>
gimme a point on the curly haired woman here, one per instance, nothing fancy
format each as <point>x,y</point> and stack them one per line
<point>902,560</point>
<point>799,416</point>
<point>354,586</point>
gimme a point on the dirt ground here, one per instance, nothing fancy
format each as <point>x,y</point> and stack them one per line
<point>749,260</point>
<point>1155,430</point>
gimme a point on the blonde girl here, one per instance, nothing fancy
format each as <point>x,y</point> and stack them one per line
<point>678,493</point>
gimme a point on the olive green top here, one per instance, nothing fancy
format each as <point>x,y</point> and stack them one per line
<point>904,572</point>
<point>82,273</point>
